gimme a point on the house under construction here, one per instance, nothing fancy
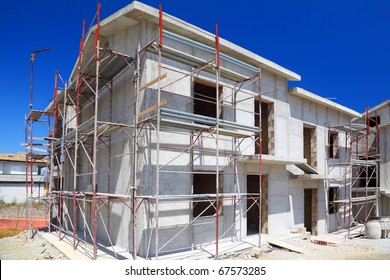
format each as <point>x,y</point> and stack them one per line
<point>167,138</point>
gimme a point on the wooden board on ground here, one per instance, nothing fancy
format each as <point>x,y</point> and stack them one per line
<point>287,246</point>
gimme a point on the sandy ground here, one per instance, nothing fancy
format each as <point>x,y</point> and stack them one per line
<point>335,247</point>
<point>22,247</point>
<point>359,248</point>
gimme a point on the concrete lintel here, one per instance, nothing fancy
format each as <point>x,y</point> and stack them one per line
<point>323,101</point>
<point>309,177</point>
<point>385,192</point>
<point>270,159</point>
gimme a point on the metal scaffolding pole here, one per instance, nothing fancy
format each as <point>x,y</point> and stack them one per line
<point>95,127</point>
<point>158,135</point>
<point>76,139</point>
<point>260,159</point>
<point>217,107</point>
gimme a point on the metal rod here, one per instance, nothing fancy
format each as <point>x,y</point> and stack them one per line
<point>261,162</point>
<point>158,141</point>
<point>78,92</point>
<point>135,152</point>
<point>217,69</point>
<point>377,152</point>
<point>94,154</point>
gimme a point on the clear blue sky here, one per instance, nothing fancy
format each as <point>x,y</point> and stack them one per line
<point>340,48</point>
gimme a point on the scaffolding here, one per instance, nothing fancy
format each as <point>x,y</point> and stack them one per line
<point>37,152</point>
<point>357,197</point>
<point>83,128</point>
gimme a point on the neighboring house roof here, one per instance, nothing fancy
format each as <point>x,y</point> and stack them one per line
<point>13,157</point>
<point>19,157</point>
<point>323,101</point>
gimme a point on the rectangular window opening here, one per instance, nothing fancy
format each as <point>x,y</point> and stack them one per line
<point>332,196</point>
<point>310,146</point>
<point>334,145</point>
<point>203,185</point>
<point>205,99</point>
<point>372,121</point>
<point>267,134</point>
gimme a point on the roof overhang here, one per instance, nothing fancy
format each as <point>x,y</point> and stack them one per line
<point>137,12</point>
<point>379,106</point>
<point>297,91</point>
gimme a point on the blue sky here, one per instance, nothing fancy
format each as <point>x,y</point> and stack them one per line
<point>340,48</point>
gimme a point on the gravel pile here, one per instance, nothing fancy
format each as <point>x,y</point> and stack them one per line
<point>22,247</point>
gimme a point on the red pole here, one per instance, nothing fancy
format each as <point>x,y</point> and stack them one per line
<point>329,142</point>
<point>94,209</point>
<point>217,47</point>
<point>55,111</point>
<point>368,130</point>
<point>161,26</point>
<point>97,32</point>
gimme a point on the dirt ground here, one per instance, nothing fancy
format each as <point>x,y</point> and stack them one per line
<point>22,247</point>
<point>19,210</point>
<point>359,248</point>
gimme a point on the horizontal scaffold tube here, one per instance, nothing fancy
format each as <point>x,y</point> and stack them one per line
<point>206,120</point>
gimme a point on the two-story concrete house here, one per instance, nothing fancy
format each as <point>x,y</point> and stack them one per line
<point>168,132</point>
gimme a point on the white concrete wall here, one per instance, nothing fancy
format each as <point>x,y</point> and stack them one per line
<point>16,192</point>
<point>15,168</point>
<point>384,166</point>
<point>13,181</point>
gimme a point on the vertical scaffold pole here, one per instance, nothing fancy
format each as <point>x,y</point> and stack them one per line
<point>135,153</point>
<point>94,160</point>
<point>217,57</point>
<point>376,164</point>
<point>350,178</point>
<point>260,160</point>
<point>366,167</point>
<point>54,137</point>
<point>158,135</point>
<point>75,160</point>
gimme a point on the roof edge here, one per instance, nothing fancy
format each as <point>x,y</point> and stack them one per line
<point>377,107</point>
<point>173,23</point>
<point>323,101</point>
